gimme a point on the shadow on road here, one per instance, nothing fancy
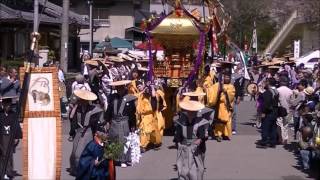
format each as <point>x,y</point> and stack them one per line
<point>293,148</point>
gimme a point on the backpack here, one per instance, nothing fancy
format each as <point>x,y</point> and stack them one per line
<point>281,111</point>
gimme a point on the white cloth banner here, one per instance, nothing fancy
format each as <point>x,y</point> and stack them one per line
<point>42,147</point>
<point>296,49</point>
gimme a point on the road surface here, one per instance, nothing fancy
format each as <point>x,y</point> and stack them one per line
<point>235,159</point>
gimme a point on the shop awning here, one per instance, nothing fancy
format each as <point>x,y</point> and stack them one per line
<point>120,43</point>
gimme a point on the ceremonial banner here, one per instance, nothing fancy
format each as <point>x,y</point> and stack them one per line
<point>296,49</point>
<point>255,38</point>
<point>42,126</point>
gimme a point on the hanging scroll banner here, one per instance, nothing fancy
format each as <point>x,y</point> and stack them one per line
<point>42,126</point>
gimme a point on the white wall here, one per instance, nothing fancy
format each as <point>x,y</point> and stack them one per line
<point>121,17</point>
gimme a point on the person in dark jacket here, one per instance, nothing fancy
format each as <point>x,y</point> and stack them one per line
<point>121,116</point>
<point>7,121</point>
<point>92,165</point>
<point>269,115</point>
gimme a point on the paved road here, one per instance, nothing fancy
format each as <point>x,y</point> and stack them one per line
<point>235,159</point>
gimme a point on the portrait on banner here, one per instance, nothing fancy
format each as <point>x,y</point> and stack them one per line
<point>40,94</point>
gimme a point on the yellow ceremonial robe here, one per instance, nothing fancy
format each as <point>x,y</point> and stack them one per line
<point>147,122</point>
<point>161,121</point>
<point>208,82</point>
<point>132,89</point>
<point>222,128</point>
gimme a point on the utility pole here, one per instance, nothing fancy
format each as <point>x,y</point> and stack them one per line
<point>36,16</point>
<point>36,29</point>
<point>90,3</point>
<point>64,35</point>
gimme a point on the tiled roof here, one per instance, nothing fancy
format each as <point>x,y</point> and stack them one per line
<point>52,15</point>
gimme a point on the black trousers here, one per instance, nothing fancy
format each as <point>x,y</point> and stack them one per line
<point>4,147</point>
<point>73,126</point>
<point>269,128</point>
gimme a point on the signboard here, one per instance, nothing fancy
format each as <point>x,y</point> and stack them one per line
<point>42,126</point>
<point>296,49</point>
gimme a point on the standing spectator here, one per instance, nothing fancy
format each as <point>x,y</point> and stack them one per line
<point>306,146</point>
<point>62,91</point>
<point>239,85</point>
<point>285,94</point>
<point>10,86</point>
<point>297,98</point>
<point>7,121</point>
<point>3,72</point>
<point>269,115</point>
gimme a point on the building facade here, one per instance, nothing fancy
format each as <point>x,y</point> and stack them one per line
<point>114,18</point>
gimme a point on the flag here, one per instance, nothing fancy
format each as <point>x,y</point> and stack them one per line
<point>214,41</point>
<point>241,57</point>
<point>246,47</point>
<point>254,38</point>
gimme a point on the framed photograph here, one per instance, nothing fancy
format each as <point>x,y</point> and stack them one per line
<point>42,128</point>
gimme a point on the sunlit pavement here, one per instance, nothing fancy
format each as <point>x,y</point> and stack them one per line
<point>235,159</point>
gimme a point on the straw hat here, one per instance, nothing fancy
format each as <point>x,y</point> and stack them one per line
<point>134,56</point>
<point>194,94</point>
<point>120,83</point>
<point>274,67</point>
<point>108,62</point>
<point>307,71</point>
<point>143,69</point>
<point>191,105</point>
<point>274,61</point>
<point>91,62</point>
<point>309,90</point>
<point>115,59</point>
<point>85,95</point>
<point>97,59</point>
<point>125,57</point>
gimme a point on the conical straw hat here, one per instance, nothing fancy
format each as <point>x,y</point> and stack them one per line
<point>97,59</point>
<point>194,94</point>
<point>115,59</point>
<point>125,57</point>
<point>85,95</point>
<point>120,83</point>
<point>92,62</point>
<point>191,105</point>
<point>274,67</point>
<point>143,69</point>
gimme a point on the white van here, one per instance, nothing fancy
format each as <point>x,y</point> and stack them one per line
<point>309,60</point>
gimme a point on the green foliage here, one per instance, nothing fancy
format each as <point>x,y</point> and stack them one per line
<point>244,13</point>
<point>51,55</point>
<point>16,63</point>
<point>113,150</point>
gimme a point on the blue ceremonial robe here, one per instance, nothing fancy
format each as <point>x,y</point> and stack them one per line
<point>86,169</point>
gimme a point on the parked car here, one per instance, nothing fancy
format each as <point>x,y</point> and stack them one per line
<point>310,59</point>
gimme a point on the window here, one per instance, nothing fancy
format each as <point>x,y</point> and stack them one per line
<point>314,60</point>
<point>101,17</point>
<point>100,13</point>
